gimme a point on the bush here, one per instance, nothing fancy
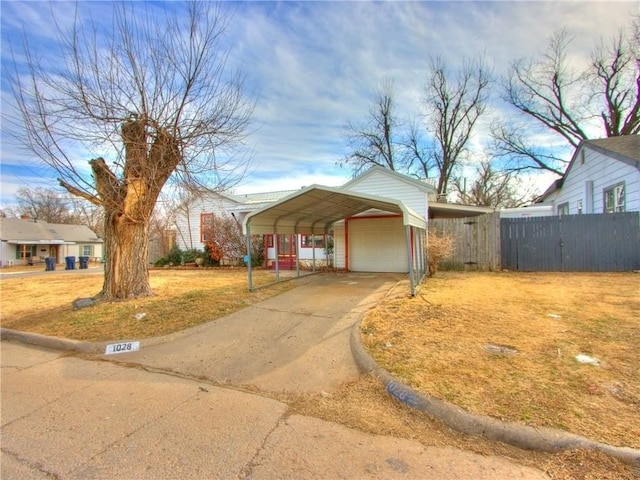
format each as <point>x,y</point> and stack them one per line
<point>438,247</point>
<point>161,262</point>
<point>174,257</point>
<point>189,256</point>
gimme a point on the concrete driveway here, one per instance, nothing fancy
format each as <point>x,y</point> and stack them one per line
<point>297,341</point>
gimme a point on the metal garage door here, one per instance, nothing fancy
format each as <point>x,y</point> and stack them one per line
<point>377,245</point>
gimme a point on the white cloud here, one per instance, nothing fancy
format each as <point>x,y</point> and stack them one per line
<point>315,65</point>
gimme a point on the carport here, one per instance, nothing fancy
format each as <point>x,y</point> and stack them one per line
<point>313,210</point>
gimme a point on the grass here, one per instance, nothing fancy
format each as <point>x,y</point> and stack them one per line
<point>182,299</point>
<point>436,342</point>
<point>433,341</point>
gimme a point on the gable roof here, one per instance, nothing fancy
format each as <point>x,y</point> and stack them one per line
<point>15,230</point>
<point>625,149</point>
<point>264,197</point>
<point>376,169</point>
<point>314,209</point>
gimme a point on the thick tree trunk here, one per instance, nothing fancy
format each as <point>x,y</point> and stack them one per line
<point>126,272</point>
<point>128,204</point>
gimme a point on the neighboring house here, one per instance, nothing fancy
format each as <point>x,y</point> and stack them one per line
<point>371,240</point>
<point>25,241</point>
<point>602,177</point>
<point>527,211</point>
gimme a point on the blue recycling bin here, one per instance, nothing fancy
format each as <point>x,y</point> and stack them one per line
<point>84,262</point>
<point>49,264</point>
<point>70,263</point>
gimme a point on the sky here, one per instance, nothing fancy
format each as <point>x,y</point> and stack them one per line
<point>314,66</point>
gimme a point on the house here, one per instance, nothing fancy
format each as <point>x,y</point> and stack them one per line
<point>376,222</point>
<point>196,216</point>
<point>603,176</point>
<point>26,241</point>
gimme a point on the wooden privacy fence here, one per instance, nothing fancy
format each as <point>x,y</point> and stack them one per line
<point>476,242</point>
<point>572,243</point>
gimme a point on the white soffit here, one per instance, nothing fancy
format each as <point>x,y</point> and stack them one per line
<point>314,209</point>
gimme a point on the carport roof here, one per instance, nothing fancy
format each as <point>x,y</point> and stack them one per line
<point>314,209</point>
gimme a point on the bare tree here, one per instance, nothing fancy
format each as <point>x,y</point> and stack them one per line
<point>44,204</point>
<point>155,99</point>
<point>492,188</point>
<point>453,106</point>
<point>88,214</point>
<point>376,141</point>
<point>418,158</point>
<point>554,96</point>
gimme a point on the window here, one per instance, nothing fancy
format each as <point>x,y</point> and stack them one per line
<point>614,199</point>
<point>86,250</point>
<point>268,241</point>
<point>563,209</point>
<point>579,207</point>
<point>310,241</point>
<point>25,251</point>
<point>206,227</point>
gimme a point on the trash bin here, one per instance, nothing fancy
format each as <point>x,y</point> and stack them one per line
<point>70,263</point>
<point>84,262</point>
<point>49,264</point>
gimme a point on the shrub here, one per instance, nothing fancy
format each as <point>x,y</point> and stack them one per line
<point>189,256</point>
<point>161,262</point>
<point>438,247</point>
<point>174,257</point>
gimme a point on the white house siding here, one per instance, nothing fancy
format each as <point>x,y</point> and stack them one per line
<point>381,184</point>
<point>187,221</point>
<point>586,182</point>
<point>10,255</point>
<point>338,245</point>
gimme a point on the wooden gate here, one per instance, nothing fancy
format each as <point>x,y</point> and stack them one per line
<point>476,242</point>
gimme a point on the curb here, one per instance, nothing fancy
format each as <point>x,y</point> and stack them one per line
<point>541,439</point>
<point>67,345</point>
<point>98,348</point>
<point>54,343</point>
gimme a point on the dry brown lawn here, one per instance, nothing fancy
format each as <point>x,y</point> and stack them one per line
<point>182,299</point>
<point>434,342</point>
<point>437,342</point>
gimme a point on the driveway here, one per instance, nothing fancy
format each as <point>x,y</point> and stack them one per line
<point>297,341</point>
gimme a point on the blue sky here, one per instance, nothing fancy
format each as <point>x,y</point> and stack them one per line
<point>313,66</point>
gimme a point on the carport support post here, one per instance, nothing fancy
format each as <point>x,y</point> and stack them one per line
<point>276,241</point>
<point>249,272</point>
<point>313,251</point>
<point>410,257</point>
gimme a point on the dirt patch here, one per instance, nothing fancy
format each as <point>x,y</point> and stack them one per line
<point>437,343</point>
